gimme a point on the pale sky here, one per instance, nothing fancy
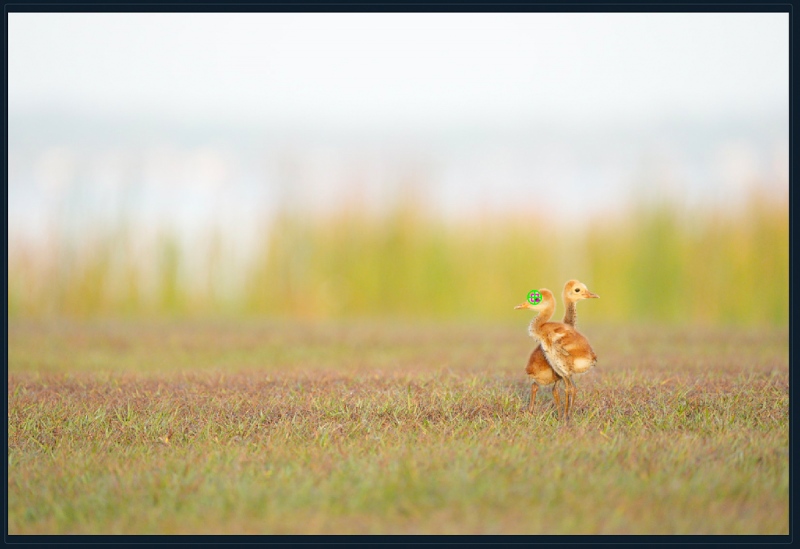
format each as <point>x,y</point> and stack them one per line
<point>400,70</point>
<point>568,111</point>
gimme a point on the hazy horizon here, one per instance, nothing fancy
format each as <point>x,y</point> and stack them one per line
<point>149,166</point>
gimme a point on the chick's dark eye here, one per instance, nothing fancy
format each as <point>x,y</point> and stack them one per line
<point>577,290</point>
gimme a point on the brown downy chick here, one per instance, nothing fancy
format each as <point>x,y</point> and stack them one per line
<point>538,369</point>
<point>567,351</point>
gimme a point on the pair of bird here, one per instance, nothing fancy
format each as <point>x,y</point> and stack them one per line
<point>563,352</point>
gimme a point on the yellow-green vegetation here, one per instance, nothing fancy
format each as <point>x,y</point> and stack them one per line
<point>295,427</point>
<point>659,263</point>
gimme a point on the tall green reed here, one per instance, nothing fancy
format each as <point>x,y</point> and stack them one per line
<point>660,263</point>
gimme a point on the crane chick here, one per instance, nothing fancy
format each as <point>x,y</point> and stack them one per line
<point>538,369</point>
<point>567,351</point>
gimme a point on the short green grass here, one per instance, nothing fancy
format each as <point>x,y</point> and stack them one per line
<point>260,427</point>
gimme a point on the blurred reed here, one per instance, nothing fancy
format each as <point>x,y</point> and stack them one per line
<point>660,264</point>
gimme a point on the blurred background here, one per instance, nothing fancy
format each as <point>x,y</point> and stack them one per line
<point>433,166</point>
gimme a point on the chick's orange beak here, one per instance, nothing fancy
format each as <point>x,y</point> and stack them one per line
<point>522,306</point>
<point>590,294</point>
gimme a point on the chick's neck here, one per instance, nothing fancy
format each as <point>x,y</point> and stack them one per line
<point>570,312</point>
<point>534,329</point>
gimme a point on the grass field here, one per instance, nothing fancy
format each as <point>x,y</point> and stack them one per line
<point>373,427</point>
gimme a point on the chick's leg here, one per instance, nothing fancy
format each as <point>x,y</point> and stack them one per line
<point>557,399</point>
<point>567,396</point>
<point>572,392</point>
<point>534,390</point>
